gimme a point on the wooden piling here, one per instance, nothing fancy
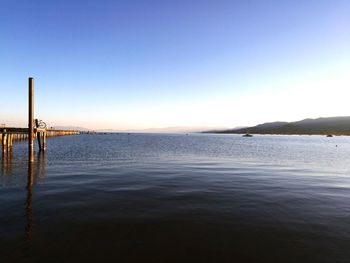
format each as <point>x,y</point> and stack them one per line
<point>38,136</point>
<point>4,142</point>
<point>44,140</point>
<point>9,141</point>
<point>31,119</point>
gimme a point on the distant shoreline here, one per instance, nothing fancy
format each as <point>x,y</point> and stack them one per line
<point>336,126</point>
<point>286,134</point>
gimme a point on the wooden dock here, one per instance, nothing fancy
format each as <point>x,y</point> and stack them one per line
<point>9,135</point>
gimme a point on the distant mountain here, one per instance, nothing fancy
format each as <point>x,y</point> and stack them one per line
<point>222,131</point>
<point>178,129</point>
<point>321,126</point>
<point>74,128</point>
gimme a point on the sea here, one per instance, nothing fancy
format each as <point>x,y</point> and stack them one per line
<point>177,198</point>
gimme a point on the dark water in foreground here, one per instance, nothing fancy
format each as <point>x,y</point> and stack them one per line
<point>177,198</point>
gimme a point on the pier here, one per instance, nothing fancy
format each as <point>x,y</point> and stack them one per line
<point>36,129</point>
<point>8,135</point>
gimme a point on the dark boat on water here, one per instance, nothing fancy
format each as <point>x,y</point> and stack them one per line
<point>247,135</point>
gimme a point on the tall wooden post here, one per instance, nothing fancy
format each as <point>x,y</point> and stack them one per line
<point>31,119</point>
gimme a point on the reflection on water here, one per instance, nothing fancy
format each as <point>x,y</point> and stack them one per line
<point>41,172</point>
<point>33,176</point>
<point>29,200</point>
<point>41,166</point>
<point>6,159</point>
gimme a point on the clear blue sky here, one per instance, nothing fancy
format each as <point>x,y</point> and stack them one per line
<point>156,63</point>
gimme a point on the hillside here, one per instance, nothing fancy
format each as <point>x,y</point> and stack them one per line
<point>321,126</point>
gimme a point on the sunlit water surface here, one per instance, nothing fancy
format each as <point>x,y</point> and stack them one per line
<point>177,198</point>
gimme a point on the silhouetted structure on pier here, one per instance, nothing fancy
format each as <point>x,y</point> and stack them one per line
<point>36,129</point>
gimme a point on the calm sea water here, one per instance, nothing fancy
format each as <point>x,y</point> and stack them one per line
<point>177,198</point>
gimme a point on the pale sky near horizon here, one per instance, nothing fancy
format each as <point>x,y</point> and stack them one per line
<point>138,64</point>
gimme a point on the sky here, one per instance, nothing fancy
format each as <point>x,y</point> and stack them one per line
<point>138,64</point>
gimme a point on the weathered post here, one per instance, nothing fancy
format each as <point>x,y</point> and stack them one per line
<point>31,119</point>
<point>4,141</point>
<point>38,137</point>
<point>44,140</point>
<point>9,141</point>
